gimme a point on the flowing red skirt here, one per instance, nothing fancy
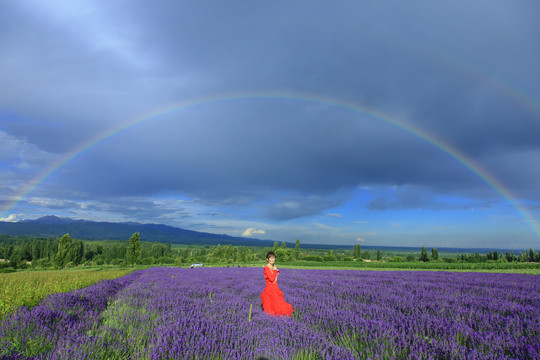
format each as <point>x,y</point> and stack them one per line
<point>273,301</point>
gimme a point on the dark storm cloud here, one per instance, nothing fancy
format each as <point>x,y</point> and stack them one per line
<point>245,149</point>
<point>418,197</point>
<point>292,207</point>
<point>77,73</point>
<point>66,67</point>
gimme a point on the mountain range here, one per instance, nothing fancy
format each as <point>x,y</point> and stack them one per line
<point>53,226</point>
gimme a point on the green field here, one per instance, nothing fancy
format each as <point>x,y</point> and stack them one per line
<point>28,288</point>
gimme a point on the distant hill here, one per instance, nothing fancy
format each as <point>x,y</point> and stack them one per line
<point>53,226</point>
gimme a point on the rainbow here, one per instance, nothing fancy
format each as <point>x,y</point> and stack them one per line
<point>454,153</point>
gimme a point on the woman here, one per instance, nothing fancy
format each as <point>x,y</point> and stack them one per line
<point>273,302</point>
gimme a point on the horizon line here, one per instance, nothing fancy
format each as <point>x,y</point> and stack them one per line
<point>243,237</point>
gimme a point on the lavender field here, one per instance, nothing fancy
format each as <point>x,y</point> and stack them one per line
<point>214,313</point>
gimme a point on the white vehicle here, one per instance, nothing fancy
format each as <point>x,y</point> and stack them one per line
<point>196,265</point>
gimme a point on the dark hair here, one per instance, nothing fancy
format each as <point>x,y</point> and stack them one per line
<point>270,253</point>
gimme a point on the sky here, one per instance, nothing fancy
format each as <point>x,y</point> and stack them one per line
<point>381,123</point>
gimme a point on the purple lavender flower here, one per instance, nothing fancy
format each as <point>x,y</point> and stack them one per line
<point>163,313</point>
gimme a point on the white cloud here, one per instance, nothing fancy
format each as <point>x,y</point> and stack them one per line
<point>51,203</point>
<point>361,222</point>
<point>360,239</point>
<point>252,231</point>
<point>336,215</point>
<point>21,154</point>
<point>10,218</point>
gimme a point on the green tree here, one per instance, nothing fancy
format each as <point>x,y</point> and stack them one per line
<point>76,252</point>
<point>156,253</point>
<point>244,254</point>
<point>134,249</point>
<point>423,254</point>
<point>64,248</point>
<point>283,245</point>
<point>330,256</point>
<point>217,251</point>
<point>379,257</point>
<point>297,249</point>
<point>434,254</point>
<point>276,245</point>
<point>7,251</point>
<point>284,254</point>
<point>230,252</point>
<point>36,250</point>
<point>357,252</point>
<point>26,250</point>
<point>532,255</point>
<point>16,258</point>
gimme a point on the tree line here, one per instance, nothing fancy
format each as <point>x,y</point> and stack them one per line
<point>524,256</point>
<point>65,252</point>
<point>493,255</point>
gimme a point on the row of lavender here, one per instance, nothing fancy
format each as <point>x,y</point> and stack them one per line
<point>215,314</point>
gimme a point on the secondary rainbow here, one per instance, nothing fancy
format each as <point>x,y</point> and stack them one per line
<point>454,153</point>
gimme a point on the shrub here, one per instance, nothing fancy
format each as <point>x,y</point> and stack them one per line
<point>410,258</point>
<point>118,262</point>
<point>165,260</point>
<point>146,261</point>
<point>313,258</point>
<point>42,263</point>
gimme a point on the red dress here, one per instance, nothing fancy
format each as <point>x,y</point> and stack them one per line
<point>272,298</point>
